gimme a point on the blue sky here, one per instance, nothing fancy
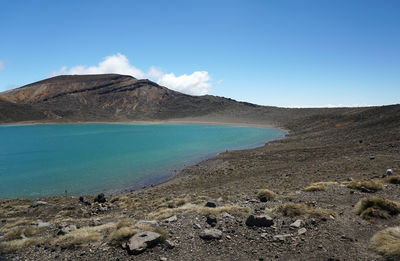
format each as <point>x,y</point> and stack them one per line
<point>283,53</point>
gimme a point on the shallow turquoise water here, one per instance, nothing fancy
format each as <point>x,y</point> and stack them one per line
<point>43,160</point>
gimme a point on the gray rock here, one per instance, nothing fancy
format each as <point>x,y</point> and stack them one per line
<point>141,241</point>
<point>226,215</point>
<point>44,224</point>
<point>211,220</point>
<point>38,203</point>
<point>301,231</point>
<point>389,172</point>
<point>169,244</point>
<point>95,222</point>
<point>259,221</point>
<point>296,224</point>
<point>151,223</point>
<point>65,229</point>
<point>281,238</point>
<point>211,204</point>
<point>197,225</point>
<point>171,219</point>
<point>210,234</point>
<point>163,259</point>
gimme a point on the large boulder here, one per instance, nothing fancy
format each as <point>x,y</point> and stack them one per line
<point>141,241</point>
<point>259,221</point>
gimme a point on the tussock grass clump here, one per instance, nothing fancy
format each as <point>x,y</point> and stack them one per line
<point>387,243</point>
<point>14,245</point>
<point>163,213</point>
<point>369,208</point>
<point>265,194</point>
<point>294,209</point>
<point>20,232</point>
<point>79,237</point>
<point>393,179</point>
<point>121,234</point>
<point>319,186</point>
<point>125,223</point>
<point>365,186</point>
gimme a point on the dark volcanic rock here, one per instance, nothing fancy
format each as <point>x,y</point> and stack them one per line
<point>259,221</point>
<point>100,198</point>
<point>211,204</point>
<point>211,220</point>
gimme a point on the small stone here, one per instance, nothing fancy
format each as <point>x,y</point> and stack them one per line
<point>197,226</point>
<point>38,203</point>
<point>141,241</point>
<point>346,238</point>
<point>371,157</point>
<point>296,224</point>
<point>280,238</point>
<point>211,220</point>
<point>43,224</point>
<point>163,259</point>
<point>389,172</point>
<point>95,222</point>
<point>171,219</point>
<point>259,221</point>
<point>152,223</point>
<point>227,215</point>
<point>301,231</point>
<point>169,244</point>
<point>210,234</point>
<point>264,235</point>
<point>65,229</point>
<point>211,204</point>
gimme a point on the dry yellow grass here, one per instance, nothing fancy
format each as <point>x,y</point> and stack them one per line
<point>393,179</point>
<point>367,186</point>
<point>293,209</point>
<point>121,234</point>
<point>319,186</point>
<point>387,243</point>
<point>369,208</point>
<point>82,236</point>
<point>20,232</point>
<point>14,245</point>
<point>201,209</point>
<point>265,194</point>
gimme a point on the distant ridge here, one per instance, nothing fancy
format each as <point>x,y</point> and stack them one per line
<point>115,98</point>
<point>107,97</point>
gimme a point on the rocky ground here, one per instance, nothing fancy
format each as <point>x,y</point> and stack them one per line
<point>292,199</point>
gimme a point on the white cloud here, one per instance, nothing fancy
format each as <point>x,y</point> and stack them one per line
<point>197,83</point>
<point>2,66</point>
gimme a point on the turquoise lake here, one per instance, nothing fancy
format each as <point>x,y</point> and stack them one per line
<point>47,159</point>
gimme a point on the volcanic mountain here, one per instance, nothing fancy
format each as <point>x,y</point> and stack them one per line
<point>106,97</point>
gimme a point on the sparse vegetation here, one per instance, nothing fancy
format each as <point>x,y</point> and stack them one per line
<point>387,243</point>
<point>294,209</point>
<point>365,186</point>
<point>121,234</point>
<point>319,186</point>
<point>265,195</point>
<point>14,245</point>
<point>393,179</point>
<point>369,208</point>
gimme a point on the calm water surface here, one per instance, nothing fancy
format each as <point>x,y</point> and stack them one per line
<point>44,160</point>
